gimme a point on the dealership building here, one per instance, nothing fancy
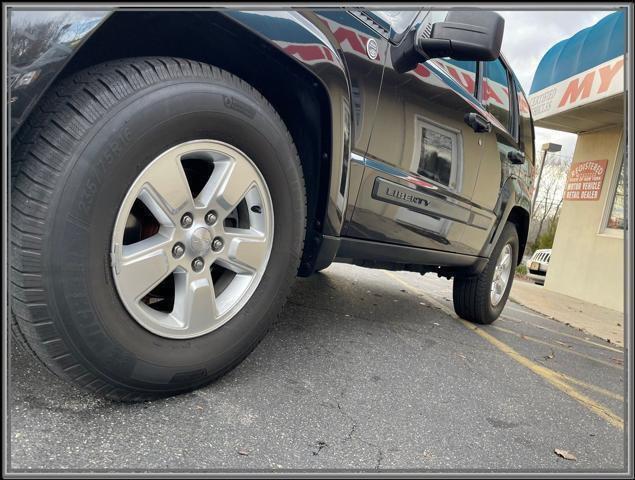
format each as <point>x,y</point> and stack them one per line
<point>579,87</point>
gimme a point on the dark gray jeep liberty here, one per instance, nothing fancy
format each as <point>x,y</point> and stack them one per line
<point>173,172</point>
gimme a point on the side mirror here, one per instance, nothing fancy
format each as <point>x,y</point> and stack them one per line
<point>464,35</point>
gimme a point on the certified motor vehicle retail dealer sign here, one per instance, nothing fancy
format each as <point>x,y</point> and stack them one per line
<point>585,180</point>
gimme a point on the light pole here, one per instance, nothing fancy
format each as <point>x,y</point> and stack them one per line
<point>546,147</point>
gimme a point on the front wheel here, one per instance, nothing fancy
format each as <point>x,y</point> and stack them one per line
<point>158,216</point>
<point>481,298</point>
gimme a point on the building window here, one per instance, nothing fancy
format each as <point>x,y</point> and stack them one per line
<point>617,217</point>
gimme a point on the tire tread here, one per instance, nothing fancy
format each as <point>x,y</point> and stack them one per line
<point>42,150</point>
<point>471,295</point>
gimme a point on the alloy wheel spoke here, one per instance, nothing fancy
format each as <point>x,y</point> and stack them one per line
<point>194,300</point>
<point>506,261</point>
<point>166,191</point>
<point>227,186</point>
<point>245,251</point>
<point>143,265</point>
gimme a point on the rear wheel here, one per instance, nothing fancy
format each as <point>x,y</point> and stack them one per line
<point>158,217</point>
<point>481,298</point>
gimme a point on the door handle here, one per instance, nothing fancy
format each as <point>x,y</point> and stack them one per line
<point>516,157</point>
<point>478,123</point>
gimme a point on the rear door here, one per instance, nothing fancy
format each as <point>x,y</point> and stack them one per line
<point>501,96</point>
<point>423,159</point>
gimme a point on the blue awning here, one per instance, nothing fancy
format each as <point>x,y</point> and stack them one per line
<point>584,50</point>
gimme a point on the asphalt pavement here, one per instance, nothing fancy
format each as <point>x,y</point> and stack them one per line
<point>364,370</point>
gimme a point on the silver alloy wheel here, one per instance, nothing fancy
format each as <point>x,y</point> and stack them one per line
<point>201,300</point>
<point>501,274</point>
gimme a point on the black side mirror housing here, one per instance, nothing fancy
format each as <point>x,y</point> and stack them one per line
<point>464,35</point>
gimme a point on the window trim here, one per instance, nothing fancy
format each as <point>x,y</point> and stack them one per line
<point>456,169</point>
<point>618,162</point>
<point>479,78</point>
<point>520,139</point>
<point>479,81</point>
<point>514,110</point>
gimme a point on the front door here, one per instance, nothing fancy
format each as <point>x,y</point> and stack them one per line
<point>363,37</point>
<point>423,159</point>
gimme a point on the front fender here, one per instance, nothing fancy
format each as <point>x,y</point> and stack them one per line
<point>40,44</point>
<point>306,38</point>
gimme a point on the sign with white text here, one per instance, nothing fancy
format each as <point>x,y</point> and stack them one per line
<point>585,180</point>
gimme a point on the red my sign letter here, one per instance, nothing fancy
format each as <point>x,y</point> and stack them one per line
<point>576,90</point>
<point>607,73</point>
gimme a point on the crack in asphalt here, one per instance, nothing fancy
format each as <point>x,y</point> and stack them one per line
<point>349,436</point>
<point>320,445</point>
<point>380,457</point>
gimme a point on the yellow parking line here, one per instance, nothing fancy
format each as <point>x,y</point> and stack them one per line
<point>554,378</point>
<point>551,376</point>
<point>606,347</point>
<point>588,386</point>
<point>557,347</point>
<point>595,344</point>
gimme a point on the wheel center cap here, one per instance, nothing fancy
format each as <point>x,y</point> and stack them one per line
<point>201,241</point>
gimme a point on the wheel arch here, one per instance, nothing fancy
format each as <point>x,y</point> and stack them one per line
<point>520,218</point>
<point>513,206</point>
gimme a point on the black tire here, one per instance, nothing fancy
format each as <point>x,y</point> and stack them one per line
<point>81,149</point>
<point>471,295</point>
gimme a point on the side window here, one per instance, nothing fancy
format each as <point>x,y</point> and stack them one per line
<point>463,71</point>
<point>495,94</point>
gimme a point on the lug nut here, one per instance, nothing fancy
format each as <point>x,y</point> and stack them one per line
<point>217,244</point>
<point>211,217</point>
<point>187,220</point>
<point>178,250</point>
<point>198,264</point>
